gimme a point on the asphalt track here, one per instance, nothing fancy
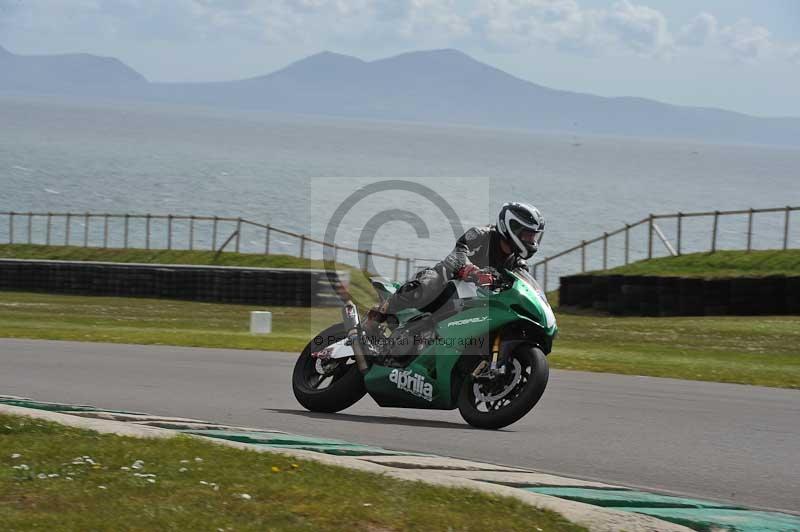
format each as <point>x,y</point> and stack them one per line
<point>719,441</point>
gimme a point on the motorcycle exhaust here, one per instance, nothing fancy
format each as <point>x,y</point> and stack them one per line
<point>353,327</point>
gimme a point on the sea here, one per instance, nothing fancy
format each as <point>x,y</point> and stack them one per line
<point>405,189</point>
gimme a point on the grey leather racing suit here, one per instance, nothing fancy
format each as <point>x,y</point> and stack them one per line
<point>479,246</point>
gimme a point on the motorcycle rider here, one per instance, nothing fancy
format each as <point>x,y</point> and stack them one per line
<point>513,239</point>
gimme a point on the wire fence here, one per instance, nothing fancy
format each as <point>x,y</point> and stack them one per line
<point>186,232</point>
<point>650,237</point>
<point>645,239</point>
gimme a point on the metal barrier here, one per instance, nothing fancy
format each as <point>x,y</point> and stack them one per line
<point>191,232</point>
<point>653,231</point>
<point>56,228</point>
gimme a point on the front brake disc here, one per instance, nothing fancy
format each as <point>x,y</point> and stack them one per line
<point>489,397</point>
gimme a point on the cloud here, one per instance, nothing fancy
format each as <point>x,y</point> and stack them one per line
<point>564,24</point>
<point>421,17</point>
<point>643,29</point>
<point>700,31</point>
<point>622,27</point>
<point>745,40</point>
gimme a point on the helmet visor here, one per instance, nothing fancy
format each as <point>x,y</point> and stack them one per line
<point>529,237</point>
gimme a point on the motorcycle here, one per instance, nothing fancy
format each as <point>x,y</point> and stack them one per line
<point>481,349</point>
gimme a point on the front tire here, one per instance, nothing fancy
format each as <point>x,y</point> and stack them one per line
<point>327,387</point>
<point>506,399</point>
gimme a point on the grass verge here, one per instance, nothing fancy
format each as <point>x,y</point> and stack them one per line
<point>718,264</point>
<point>763,351</point>
<point>80,480</point>
<point>155,321</point>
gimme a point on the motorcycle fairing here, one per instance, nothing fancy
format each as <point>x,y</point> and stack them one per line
<point>434,366</point>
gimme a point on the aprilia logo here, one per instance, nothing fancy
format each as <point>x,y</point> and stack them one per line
<point>412,383</point>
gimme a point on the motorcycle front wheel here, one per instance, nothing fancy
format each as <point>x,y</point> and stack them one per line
<point>499,402</point>
<point>326,386</point>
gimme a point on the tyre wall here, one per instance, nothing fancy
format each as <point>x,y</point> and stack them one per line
<point>639,295</point>
<point>284,287</point>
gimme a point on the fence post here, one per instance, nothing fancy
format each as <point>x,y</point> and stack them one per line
<point>365,267</point>
<point>147,232</point>
<point>786,228</point>
<point>169,231</point>
<point>30,226</point>
<point>11,227</point>
<point>266,240</point>
<point>191,232</point>
<point>605,251</point>
<point>546,260</point>
<point>680,231</point>
<point>749,229</point>
<point>302,246</point>
<point>238,233</point>
<point>214,234</point>
<point>650,237</point>
<point>105,231</point>
<point>583,256</point>
<point>714,232</point>
<point>67,230</point>
<point>125,231</point>
<point>627,242</point>
<point>408,268</point>
<point>86,230</point>
<point>49,225</point>
<point>396,266</point>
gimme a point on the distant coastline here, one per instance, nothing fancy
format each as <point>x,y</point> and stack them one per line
<point>432,87</point>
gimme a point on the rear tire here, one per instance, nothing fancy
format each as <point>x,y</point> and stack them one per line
<point>531,364</point>
<point>346,384</point>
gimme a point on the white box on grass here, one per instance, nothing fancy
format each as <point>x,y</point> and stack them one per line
<point>260,322</point>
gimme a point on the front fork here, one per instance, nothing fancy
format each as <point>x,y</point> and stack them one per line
<point>352,325</point>
<point>493,370</point>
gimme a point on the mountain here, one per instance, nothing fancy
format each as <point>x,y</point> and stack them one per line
<point>442,86</point>
<point>69,73</point>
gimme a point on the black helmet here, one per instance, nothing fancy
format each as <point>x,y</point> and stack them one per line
<point>522,225</point>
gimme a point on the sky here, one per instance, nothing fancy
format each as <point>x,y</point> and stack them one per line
<point>742,55</point>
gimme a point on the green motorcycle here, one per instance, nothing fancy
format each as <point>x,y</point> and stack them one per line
<point>481,349</point>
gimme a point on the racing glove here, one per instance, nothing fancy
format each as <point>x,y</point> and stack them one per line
<point>472,273</point>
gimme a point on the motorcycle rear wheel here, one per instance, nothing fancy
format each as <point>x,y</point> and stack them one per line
<point>338,386</point>
<point>495,405</point>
